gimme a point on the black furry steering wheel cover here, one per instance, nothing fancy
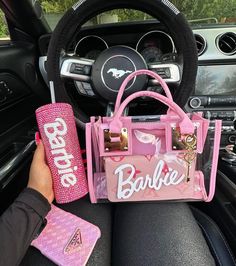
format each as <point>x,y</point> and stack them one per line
<point>166,12</point>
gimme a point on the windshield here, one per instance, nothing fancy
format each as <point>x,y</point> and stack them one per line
<point>197,12</point>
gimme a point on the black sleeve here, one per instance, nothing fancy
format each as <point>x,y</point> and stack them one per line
<point>20,224</point>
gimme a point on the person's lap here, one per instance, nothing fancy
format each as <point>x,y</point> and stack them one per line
<point>142,233</point>
<point>158,234</point>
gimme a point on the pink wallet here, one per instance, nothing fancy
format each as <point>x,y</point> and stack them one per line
<point>67,239</point>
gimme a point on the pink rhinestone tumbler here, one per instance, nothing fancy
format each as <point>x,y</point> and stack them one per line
<point>58,132</point>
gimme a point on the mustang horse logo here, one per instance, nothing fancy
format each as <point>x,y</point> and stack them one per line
<point>118,73</point>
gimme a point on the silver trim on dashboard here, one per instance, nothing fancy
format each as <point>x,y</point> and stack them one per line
<point>156,31</point>
<point>89,36</point>
<point>211,34</point>
<point>218,46</point>
<point>205,43</point>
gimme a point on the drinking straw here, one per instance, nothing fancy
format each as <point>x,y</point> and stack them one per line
<point>52,91</point>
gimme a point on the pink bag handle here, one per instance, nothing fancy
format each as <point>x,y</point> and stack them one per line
<point>186,126</point>
<point>137,73</point>
<point>217,136</point>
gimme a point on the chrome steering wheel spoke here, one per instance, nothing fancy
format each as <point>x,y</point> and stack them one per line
<point>76,68</point>
<point>79,70</point>
<point>170,72</point>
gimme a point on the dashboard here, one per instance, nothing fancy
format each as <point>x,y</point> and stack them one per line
<point>152,45</point>
<point>215,92</point>
<point>217,69</point>
<point>216,46</point>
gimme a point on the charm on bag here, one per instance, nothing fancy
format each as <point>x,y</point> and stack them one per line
<point>187,143</point>
<point>190,142</point>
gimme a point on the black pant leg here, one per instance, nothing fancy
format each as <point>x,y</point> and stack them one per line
<point>158,234</point>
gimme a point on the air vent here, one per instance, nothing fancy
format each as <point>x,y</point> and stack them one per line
<point>226,43</point>
<point>201,44</point>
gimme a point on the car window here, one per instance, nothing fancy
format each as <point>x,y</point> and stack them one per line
<point>197,12</point>
<point>4,33</point>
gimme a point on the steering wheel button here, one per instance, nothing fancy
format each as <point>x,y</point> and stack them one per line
<point>80,69</point>
<point>80,88</point>
<point>72,68</point>
<point>86,86</point>
<point>163,72</point>
<point>86,70</point>
<point>167,73</point>
<point>88,89</point>
<point>90,93</point>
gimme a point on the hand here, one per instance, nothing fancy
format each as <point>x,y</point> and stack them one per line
<point>40,177</point>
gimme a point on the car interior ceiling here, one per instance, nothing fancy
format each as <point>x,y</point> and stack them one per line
<point>23,88</point>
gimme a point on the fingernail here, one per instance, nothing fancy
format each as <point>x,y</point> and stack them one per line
<point>37,138</point>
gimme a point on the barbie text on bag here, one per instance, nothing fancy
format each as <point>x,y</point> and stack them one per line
<point>167,157</point>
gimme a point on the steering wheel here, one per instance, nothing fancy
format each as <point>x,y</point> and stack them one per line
<point>112,66</point>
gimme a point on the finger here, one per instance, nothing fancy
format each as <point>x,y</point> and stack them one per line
<point>37,138</point>
<point>39,154</point>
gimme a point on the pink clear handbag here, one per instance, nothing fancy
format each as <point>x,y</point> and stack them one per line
<point>167,157</point>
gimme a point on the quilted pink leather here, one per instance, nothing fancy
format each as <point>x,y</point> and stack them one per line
<point>60,228</point>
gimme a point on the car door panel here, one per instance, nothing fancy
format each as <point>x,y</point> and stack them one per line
<point>21,92</point>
